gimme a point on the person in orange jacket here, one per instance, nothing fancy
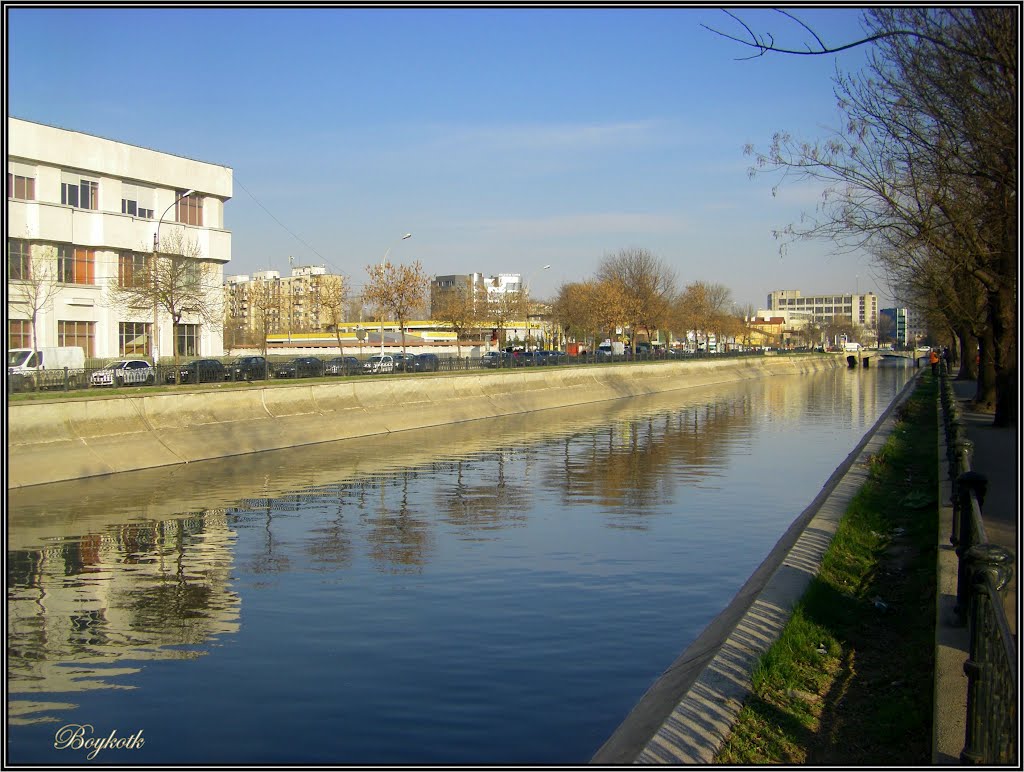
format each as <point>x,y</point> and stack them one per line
<point>933,359</point>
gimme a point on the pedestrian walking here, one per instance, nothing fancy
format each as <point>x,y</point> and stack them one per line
<point>933,360</point>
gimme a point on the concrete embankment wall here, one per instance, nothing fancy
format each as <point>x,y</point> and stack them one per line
<point>85,437</point>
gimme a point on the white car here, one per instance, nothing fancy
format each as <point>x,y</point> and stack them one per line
<point>124,372</point>
<point>379,364</point>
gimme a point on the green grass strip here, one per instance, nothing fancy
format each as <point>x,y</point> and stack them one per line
<point>850,680</point>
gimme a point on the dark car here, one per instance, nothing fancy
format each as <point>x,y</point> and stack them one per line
<point>405,363</point>
<point>551,357</point>
<point>198,371</point>
<point>249,368</point>
<point>495,359</point>
<point>427,363</point>
<point>343,366</point>
<point>300,367</point>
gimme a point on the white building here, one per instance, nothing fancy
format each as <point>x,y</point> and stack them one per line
<point>85,212</point>
<point>795,308</point>
<point>504,283</point>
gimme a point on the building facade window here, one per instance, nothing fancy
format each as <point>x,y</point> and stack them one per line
<point>132,268</point>
<point>21,187</point>
<point>79,192</point>
<point>77,334</point>
<point>133,339</point>
<point>19,260</point>
<point>19,333</point>
<point>189,210</point>
<point>188,340</point>
<point>137,201</point>
<point>76,265</point>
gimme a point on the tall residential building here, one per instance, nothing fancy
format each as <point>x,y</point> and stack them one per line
<point>472,283</point>
<point>83,216</point>
<point>791,304</point>
<point>503,283</point>
<point>292,302</point>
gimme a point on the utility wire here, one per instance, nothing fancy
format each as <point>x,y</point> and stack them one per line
<point>297,238</point>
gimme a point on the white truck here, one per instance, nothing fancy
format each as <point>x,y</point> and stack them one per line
<point>45,368</point>
<point>612,348</point>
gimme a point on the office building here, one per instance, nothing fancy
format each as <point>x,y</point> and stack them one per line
<point>797,309</point>
<point>83,217</point>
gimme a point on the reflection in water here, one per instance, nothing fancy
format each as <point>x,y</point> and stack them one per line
<point>136,591</point>
<point>423,589</point>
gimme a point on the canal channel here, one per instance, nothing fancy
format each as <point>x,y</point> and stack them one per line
<point>493,592</point>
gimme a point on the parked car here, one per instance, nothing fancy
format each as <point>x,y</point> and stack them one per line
<point>551,357</point>
<point>427,363</point>
<point>300,367</point>
<point>379,363</point>
<point>495,359</point>
<point>405,363</point>
<point>342,366</point>
<point>248,368</point>
<point>124,372</point>
<point>198,371</point>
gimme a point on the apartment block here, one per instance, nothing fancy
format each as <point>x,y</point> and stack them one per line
<point>84,215</point>
<point>290,303</point>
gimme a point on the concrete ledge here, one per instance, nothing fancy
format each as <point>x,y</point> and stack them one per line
<point>84,437</point>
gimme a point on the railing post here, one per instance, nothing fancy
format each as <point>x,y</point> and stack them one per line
<point>983,561</point>
<point>968,483</point>
<point>963,485</point>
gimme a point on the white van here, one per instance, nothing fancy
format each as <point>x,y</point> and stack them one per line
<point>44,368</point>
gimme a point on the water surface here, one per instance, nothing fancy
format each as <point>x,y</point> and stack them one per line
<point>493,592</point>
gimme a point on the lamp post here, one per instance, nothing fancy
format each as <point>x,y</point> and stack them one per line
<point>153,273</point>
<point>383,265</point>
<point>526,309</point>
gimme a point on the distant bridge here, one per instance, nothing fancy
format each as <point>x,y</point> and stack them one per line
<point>864,356</point>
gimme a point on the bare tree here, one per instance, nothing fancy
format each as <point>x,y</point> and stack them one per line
<point>460,307</point>
<point>504,307</point>
<point>701,308</point>
<point>32,280</point>
<point>646,286</point>
<point>178,282</point>
<point>332,292</point>
<point>925,171</point>
<point>396,290</point>
<point>264,310</point>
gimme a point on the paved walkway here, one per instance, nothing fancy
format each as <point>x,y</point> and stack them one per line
<point>996,455</point>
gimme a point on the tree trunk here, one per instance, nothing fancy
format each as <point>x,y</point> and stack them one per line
<point>968,353</point>
<point>985,395</point>
<point>1002,320</point>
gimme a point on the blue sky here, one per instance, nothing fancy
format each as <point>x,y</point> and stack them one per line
<point>502,139</point>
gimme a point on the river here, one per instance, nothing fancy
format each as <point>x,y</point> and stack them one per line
<point>494,592</point>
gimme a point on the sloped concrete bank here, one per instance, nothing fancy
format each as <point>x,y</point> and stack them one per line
<point>86,437</point>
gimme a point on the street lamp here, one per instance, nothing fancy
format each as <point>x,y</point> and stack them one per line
<point>526,309</point>
<point>383,265</point>
<point>156,248</point>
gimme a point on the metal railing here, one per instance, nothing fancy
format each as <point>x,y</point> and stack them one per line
<point>164,373</point>
<point>983,572</point>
